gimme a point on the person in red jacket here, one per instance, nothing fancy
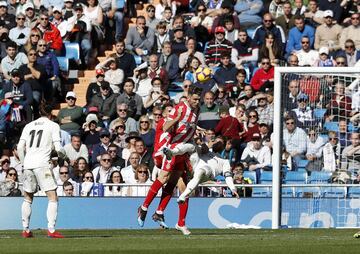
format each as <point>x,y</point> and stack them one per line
<point>263,74</point>
<point>228,126</point>
<point>50,33</point>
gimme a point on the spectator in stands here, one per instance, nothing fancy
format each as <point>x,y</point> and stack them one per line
<point>294,139</point>
<point>124,60</point>
<point>249,12</point>
<point>31,18</point>
<point>155,71</point>
<point>351,32</point>
<point>10,185</point>
<point>287,20</point>
<point>35,74</point>
<point>103,171</point>
<point>263,74</point>
<point>22,93</point>
<point>130,123</point>
<point>119,134</point>
<point>313,16</point>
<point>95,14</point>
<point>350,160</point>
<point>222,98</point>
<point>144,83</point>
<point>32,40</point>
<point>71,118</point>
<point>115,191</point>
<point>128,173</point>
<point>105,101</point>
<point>294,94</point>
<point>296,35</point>
<point>351,54</point>
<point>306,55</point>
<point>151,20</point>
<point>140,39</point>
<point>130,140</point>
<point>102,147</point>
<point>142,175</point>
<point>230,152</point>
<point>13,59</point>
<point>228,126</point>
<point>113,75</point>
<point>168,14</point>
<point>20,33</point>
<point>264,110</point>
<point>231,34</point>
<point>256,157</point>
<point>276,8</point>
<point>169,61</point>
<point>314,148</point>
<point>293,61</point>
<point>328,34</point>
<point>76,149</point>
<point>6,123</point>
<point>245,50</point>
<point>341,61</point>
<point>133,100</point>
<point>299,8</point>
<point>64,174</point>
<point>209,115</point>
<point>271,50</point>
<point>202,23</point>
<point>80,167</point>
<point>178,22</point>
<point>61,24</point>
<point>331,153</point>
<point>48,59</point>
<point>87,184</point>
<point>216,47</point>
<point>343,134</point>
<point>179,41</point>
<point>91,130</point>
<point>145,154</point>
<point>114,151</point>
<point>81,33</point>
<point>50,33</point>
<point>325,60</point>
<point>304,114</point>
<point>189,73</point>
<point>334,7</point>
<point>9,19</point>
<point>157,94</point>
<point>340,104</point>
<point>269,26</point>
<point>147,133</point>
<point>94,87</point>
<point>226,73</point>
<point>5,167</point>
<point>160,8</point>
<point>162,36</point>
<point>226,12</point>
<point>191,51</point>
<point>68,189</point>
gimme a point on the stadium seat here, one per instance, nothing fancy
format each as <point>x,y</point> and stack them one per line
<point>72,50</point>
<point>324,136</point>
<point>251,32</point>
<point>354,192</point>
<point>303,192</point>
<point>293,177</point>
<point>331,126</point>
<point>352,128</point>
<point>63,63</point>
<point>287,192</point>
<point>319,113</point>
<point>303,163</point>
<point>266,177</point>
<point>251,175</point>
<point>138,60</point>
<point>320,177</point>
<point>176,86</point>
<point>261,192</point>
<point>334,192</point>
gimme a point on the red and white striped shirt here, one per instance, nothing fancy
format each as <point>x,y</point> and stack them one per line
<point>162,138</point>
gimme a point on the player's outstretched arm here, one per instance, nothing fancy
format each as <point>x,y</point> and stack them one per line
<point>21,150</point>
<point>170,123</point>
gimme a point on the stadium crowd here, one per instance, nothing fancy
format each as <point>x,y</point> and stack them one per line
<point>229,48</point>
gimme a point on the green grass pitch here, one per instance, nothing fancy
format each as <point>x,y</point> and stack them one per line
<point>200,241</point>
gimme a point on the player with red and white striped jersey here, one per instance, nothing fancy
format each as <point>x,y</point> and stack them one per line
<point>183,119</point>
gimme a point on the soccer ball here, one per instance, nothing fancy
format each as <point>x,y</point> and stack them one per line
<point>203,74</point>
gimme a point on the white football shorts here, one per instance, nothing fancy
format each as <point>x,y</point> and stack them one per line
<point>42,177</point>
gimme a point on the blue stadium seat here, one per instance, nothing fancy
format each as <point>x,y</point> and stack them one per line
<point>303,163</point>
<point>138,60</point>
<point>319,113</point>
<point>314,191</point>
<point>331,126</point>
<point>320,177</point>
<point>352,128</point>
<point>248,73</point>
<point>176,86</point>
<point>287,192</point>
<point>251,32</point>
<point>293,177</point>
<point>266,177</point>
<point>324,136</point>
<point>261,192</point>
<point>63,63</point>
<point>72,50</point>
<point>354,192</point>
<point>334,192</point>
<point>251,175</point>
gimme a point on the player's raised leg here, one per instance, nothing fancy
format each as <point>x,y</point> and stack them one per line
<point>194,182</point>
<point>179,149</point>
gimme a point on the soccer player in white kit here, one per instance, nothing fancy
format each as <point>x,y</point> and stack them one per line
<point>206,167</point>
<point>37,140</point>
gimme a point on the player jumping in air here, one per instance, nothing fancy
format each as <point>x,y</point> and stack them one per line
<point>36,143</point>
<point>183,119</point>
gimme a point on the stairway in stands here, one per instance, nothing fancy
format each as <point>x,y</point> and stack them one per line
<point>88,76</point>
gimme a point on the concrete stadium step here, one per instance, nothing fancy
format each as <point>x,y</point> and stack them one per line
<point>101,58</point>
<point>89,73</point>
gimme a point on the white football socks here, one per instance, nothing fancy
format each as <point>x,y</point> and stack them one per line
<point>25,214</point>
<point>194,182</point>
<point>181,149</point>
<point>52,215</point>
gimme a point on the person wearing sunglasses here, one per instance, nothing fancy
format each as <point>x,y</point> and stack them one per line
<point>10,185</point>
<point>20,33</point>
<point>201,21</point>
<point>351,32</point>
<point>4,167</point>
<point>115,153</point>
<point>142,177</point>
<point>32,40</point>
<point>151,20</point>
<point>64,176</point>
<point>71,117</point>
<point>350,54</point>
<point>314,148</point>
<point>51,34</point>
<point>331,152</point>
<point>87,184</point>
<point>303,112</point>
<point>130,123</point>
<point>128,172</point>
<point>263,74</point>
<point>100,148</point>
<point>269,26</point>
<point>103,171</point>
<point>294,139</point>
<point>306,56</point>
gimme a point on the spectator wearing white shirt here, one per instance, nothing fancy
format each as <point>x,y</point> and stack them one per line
<point>306,55</point>
<point>103,171</point>
<point>20,34</point>
<point>76,149</point>
<point>331,153</point>
<point>142,174</point>
<point>314,148</point>
<point>128,173</point>
<point>294,139</point>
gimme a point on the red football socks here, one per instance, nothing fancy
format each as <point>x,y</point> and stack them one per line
<point>183,208</point>
<point>166,196</point>
<point>155,187</point>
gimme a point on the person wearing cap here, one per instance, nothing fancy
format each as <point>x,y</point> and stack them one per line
<point>105,101</point>
<point>179,22</point>
<point>256,156</point>
<point>133,100</point>
<point>35,74</point>
<point>269,26</point>
<point>140,39</point>
<point>50,33</point>
<point>13,59</point>
<point>68,10</point>
<point>303,112</point>
<point>71,117</point>
<point>217,46</point>
<point>23,96</point>
<point>5,16</point>
<point>20,33</point>
<point>328,34</point>
<point>102,147</point>
<point>178,43</point>
<point>94,87</point>
<point>59,22</point>
<point>31,18</point>
<point>226,73</point>
<point>325,60</point>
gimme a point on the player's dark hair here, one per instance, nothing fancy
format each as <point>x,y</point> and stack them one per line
<point>45,110</point>
<point>195,90</point>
